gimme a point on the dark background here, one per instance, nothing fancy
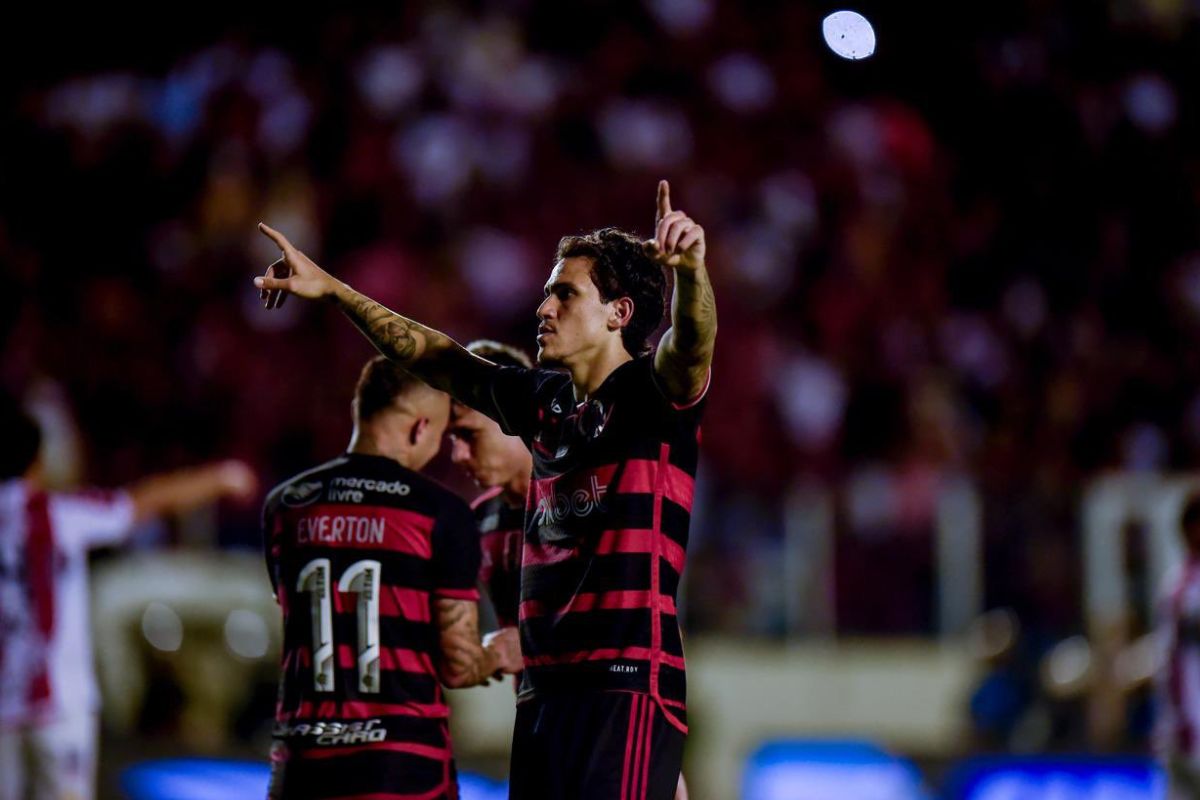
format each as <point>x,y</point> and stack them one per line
<point>973,254</point>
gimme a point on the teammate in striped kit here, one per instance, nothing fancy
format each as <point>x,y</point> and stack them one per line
<point>375,570</point>
<point>1178,726</point>
<point>615,434</point>
<point>48,695</point>
<point>500,465</point>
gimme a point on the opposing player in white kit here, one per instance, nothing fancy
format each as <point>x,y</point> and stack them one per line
<point>48,695</point>
<point>1178,726</point>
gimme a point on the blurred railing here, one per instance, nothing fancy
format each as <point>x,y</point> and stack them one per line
<point>813,529</point>
<point>1113,508</point>
<point>1131,545</point>
<point>1116,507</point>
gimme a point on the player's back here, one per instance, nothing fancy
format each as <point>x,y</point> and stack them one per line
<point>358,550</point>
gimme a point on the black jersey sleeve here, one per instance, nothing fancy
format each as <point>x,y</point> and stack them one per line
<point>456,553</point>
<point>510,398</point>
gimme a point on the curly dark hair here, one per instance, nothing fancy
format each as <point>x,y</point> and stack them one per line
<point>621,267</point>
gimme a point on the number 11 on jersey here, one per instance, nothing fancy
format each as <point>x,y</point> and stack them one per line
<point>361,578</point>
<point>314,579</point>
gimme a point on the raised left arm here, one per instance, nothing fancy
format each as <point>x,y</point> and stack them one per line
<point>685,351</point>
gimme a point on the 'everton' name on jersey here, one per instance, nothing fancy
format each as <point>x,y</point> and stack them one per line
<point>606,529</point>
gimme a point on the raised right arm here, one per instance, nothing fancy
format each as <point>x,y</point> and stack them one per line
<point>429,354</point>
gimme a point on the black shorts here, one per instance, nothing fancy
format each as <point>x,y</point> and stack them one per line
<point>594,746</point>
<point>367,771</point>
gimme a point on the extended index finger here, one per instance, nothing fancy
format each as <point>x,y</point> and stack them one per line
<point>664,201</point>
<point>276,237</point>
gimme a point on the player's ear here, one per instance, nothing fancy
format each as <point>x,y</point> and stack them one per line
<point>621,314</point>
<point>417,430</point>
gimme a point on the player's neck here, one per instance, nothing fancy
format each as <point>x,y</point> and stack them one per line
<point>589,376</point>
<point>367,442</point>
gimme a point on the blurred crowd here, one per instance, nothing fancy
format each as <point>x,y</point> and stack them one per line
<point>973,254</point>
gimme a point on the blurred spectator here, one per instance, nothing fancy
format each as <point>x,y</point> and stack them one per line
<point>48,699</point>
<point>1179,677</point>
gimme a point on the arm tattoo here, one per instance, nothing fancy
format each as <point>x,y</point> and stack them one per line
<point>392,334</point>
<point>685,350</point>
<point>693,313</point>
<point>430,355</point>
<point>464,662</point>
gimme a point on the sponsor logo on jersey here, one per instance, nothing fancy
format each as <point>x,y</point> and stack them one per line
<point>328,733</point>
<point>554,507</point>
<point>302,494</point>
<point>350,489</point>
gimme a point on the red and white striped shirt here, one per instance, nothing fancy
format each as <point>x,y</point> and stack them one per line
<point>45,633</point>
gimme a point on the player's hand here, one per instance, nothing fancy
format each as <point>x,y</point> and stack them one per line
<point>506,644</point>
<point>237,479</point>
<point>678,241</point>
<point>294,273</point>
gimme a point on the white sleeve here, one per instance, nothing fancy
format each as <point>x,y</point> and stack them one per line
<point>92,518</point>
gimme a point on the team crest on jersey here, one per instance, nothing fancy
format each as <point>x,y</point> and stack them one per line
<point>302,494</point>
<point>594,418</point>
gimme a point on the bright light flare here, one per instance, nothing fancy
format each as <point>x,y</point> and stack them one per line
<point>849,34</point>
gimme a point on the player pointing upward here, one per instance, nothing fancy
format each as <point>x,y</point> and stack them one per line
<point>614,433</point>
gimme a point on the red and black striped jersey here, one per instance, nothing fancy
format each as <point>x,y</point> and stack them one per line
<point>501,531</point>
<point>358,549</point>
<point>45,634</point>
<point>606,529</point>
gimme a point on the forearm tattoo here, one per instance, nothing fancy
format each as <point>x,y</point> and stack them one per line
<point>693,313</point>
<point>430,355</point>
<point>464,660</point>
<point>392,334</point>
